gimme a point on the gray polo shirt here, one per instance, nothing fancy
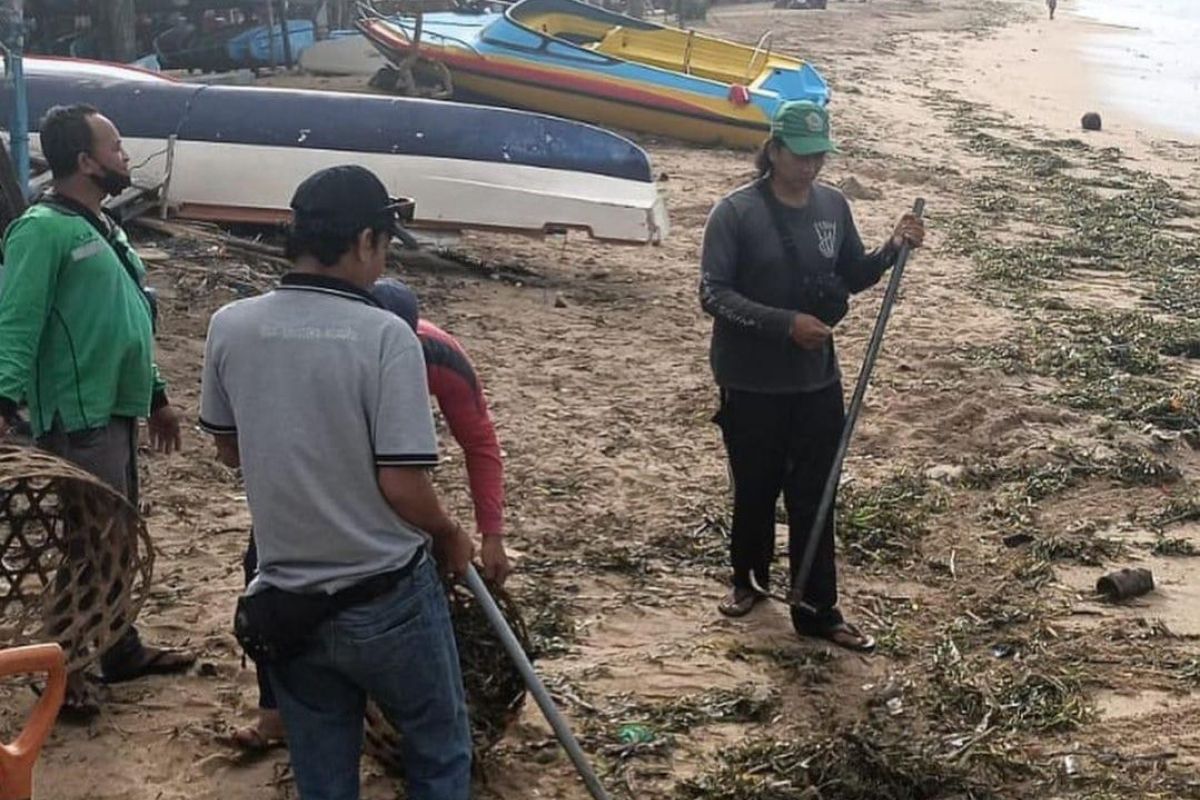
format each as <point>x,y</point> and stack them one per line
<point>321,386</point>
<point>746,285</point>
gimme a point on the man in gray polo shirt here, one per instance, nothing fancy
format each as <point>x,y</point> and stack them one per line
<point>321,397</point>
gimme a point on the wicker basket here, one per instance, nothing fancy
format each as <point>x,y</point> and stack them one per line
<point>75,557</point>
<point>494,688</point>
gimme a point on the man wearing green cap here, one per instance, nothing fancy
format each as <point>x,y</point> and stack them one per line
<point>780,258</point>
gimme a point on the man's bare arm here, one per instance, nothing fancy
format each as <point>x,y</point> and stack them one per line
<point>410,493</point>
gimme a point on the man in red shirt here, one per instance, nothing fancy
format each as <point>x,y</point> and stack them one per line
<point>459,394</point>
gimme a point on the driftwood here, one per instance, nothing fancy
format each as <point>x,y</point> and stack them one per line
<point>214,235</point>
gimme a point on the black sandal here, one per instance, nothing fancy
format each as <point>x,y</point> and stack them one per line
<point>152,661</point>
<point>81,701</point>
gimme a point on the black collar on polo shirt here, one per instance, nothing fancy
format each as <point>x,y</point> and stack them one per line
<point>327,284</point>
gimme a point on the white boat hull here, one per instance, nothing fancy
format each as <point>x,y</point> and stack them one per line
<point>208,181</point>
<point>238,154</point>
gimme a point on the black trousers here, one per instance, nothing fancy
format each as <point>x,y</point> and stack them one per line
<point>783,443</point>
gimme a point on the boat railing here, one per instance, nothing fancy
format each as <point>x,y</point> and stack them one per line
<point>764,48</point>
<point>400,23</point>
<point>366,9</point>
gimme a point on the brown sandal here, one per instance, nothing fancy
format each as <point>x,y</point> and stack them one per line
<point>847,635</point>
<point>739,602</point>
<point>251,740</point>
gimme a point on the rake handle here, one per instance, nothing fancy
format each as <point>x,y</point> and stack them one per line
<point>800,583</point>
<point>562,731</point>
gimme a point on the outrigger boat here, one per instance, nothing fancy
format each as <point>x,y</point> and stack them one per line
<point>568,58</point>
<point>237,154</point>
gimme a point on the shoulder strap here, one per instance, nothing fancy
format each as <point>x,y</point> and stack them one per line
<point>775,209</point>
<point>108,233</point>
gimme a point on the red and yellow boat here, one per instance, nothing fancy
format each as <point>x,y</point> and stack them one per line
<point>575,60</point>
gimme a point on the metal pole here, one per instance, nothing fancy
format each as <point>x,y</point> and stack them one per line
<point>800,584</point>
<point>20,125</point>
<point>561,730</point>
<point>164,200</point>
<point>287,39</point>
<point>271,34</point>
<point>12,20</point>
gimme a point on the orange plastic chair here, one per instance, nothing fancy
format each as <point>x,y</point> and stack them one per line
<point>17,759</point>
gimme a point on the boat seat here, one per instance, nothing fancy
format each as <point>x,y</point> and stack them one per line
<point>678,52</point>
<point>642,48</point>
<point>580,39</point>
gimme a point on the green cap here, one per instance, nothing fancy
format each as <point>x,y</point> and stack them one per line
<point>804,128</point>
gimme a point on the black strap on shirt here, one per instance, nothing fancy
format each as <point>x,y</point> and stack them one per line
<point>822,294</point>
<point>107,227</point>
<point>775,209</point>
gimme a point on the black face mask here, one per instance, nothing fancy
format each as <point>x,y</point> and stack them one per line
<point>112,182</point>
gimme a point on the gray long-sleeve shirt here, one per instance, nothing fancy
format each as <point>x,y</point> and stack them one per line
<point>746,286</point>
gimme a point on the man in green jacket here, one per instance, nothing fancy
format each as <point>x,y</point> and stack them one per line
<point>76,335</point>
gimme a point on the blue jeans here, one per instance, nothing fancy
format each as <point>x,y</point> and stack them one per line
<point>400,650</point>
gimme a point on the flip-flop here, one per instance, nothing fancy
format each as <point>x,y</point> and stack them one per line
<point>81,700</point>
<point>80,704</point>
<point>847,635</point>
<point>251,740</point>
<point>739,602</point>
<point>154,661</point>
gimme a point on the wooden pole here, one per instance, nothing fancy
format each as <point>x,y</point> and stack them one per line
<point>321,20</point>
<point>12,199</point>
<point>12,37</point>
<point>271,33</point>
<point>118,30</point>
<point>287,40</point>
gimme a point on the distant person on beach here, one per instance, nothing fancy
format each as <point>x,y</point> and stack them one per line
<point>1052,5</point>
<point>458,391</point>
<point>77,342</point>
<point>780,258</point>
<point>321,397</point>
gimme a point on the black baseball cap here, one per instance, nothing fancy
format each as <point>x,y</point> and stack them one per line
<point>347,199</point>
<point>396,297</point>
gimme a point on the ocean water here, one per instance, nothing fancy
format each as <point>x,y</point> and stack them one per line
<point>1148,62</point>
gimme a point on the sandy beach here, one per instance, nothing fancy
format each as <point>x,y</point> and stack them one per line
<point>1039,71</point>
<point>1031,425</point>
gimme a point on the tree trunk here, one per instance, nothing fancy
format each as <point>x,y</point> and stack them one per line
<point>118,20</point>
<point>12,200</point>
